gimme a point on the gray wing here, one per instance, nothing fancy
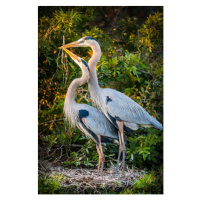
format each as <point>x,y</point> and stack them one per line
<point>123,108</point>
<point>96,122</point>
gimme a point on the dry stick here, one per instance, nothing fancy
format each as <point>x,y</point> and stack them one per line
<point>51,121</point>
<point>64,63</point>
<point>57,159</point>
<point>55,124</point>
<point>103,11</point>
<point>44,129</point>
<point>94,182</point>
<point>55,72</point>
<point>42,166</point>
<point>63,40</point>
<point>52,154</point>
<point>145,72</point>
<point>63,56</point>
<point>115,19</point>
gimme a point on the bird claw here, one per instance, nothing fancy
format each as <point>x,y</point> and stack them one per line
<point>116,175</point>
<point>123,176</point>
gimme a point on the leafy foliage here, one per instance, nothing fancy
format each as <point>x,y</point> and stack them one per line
<point>50,184</point>
<point>150,184</point>
<point>131,62</point>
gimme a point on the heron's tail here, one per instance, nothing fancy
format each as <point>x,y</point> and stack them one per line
<point>156,123</point>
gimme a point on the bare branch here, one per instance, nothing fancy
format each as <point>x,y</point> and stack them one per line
<point>52,121</point>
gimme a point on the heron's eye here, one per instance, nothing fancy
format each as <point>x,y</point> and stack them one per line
<point>83,40</point>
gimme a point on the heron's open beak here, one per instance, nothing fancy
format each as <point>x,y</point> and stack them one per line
<point>73,56</point>
<point>73,44</point>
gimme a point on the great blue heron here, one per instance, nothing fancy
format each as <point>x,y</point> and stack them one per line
<point>121,110</point>
<point>89,120</point>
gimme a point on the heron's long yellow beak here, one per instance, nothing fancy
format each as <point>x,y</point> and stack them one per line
<point>75,57</point>
<point>72,44</point>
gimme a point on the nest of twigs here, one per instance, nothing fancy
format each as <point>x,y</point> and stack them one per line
<point>82,179</point>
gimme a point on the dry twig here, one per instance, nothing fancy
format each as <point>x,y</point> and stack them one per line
<point>82,178</point>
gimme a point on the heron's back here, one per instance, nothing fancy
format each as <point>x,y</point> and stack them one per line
<point>92,123</point>
<point>123,108</point>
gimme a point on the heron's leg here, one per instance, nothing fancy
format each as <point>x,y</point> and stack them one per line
<point>99,159</point>
<point>102,156</point>
<point>123,148</point>
<point>119,155</point>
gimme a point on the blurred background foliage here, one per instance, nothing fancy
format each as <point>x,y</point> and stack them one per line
<point>131,39</point>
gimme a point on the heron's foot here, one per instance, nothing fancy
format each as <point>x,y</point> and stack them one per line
<point>99,174</point>
<point>116,174</point>
<point>123,174</point>
<point>100,162</point>
<point>116,170</point>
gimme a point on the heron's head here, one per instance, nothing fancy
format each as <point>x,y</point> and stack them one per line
<point>86,41</point>
<point>82,63</point>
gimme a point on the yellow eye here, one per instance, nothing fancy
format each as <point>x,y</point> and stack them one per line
<point>83,40</point>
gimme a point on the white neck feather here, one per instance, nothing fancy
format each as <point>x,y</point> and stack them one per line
<point>93,81</point>
<point>70,105</point>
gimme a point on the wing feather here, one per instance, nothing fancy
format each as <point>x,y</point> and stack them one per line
<point>122,107</point>
<point>98,123</point>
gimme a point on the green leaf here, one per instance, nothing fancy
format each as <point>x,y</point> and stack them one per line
<point>76,137</point>
<point>144,156</point>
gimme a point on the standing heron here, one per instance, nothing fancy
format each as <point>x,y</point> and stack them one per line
<point>89,120</point>
<point>122,111</point>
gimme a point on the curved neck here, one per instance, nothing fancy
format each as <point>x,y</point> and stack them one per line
<point>93,81</point>
<point>75,83</point>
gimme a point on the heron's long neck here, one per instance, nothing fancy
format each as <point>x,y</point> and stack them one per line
<point>93,81</point>
<point>72,88</point>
